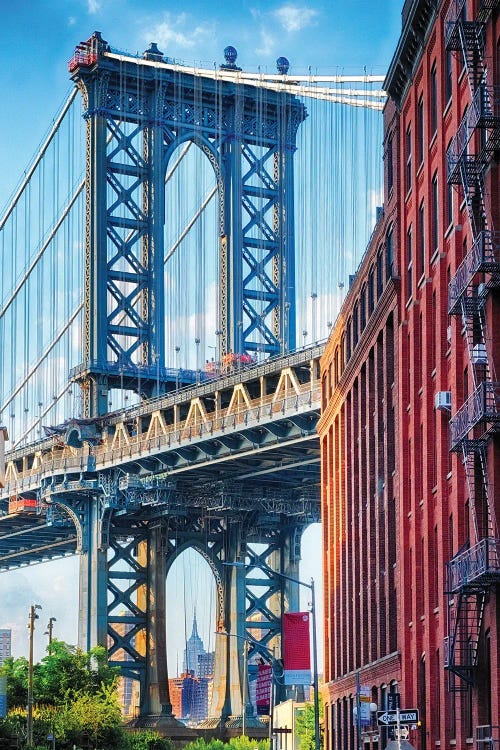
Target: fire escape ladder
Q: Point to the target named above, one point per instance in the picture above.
(490, 524)
(486, 7)
(472, 34)
(465, 611)
(470, 170)
(473, 330)
(469, 463)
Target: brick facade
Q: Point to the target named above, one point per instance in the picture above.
(398, 508)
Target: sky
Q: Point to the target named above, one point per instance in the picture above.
(37, 38)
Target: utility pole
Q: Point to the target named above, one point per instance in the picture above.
(50, 628)
(29, 721)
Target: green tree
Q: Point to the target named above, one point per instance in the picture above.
(304, 726)
(147, 739)
(67, 671)
(16, 672)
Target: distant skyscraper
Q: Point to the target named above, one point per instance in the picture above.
(5, 644)
(194, 649)
(206, 664)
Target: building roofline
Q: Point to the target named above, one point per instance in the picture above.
(418, 20)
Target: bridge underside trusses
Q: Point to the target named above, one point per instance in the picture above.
(230, 469)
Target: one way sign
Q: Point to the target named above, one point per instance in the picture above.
(390, 718)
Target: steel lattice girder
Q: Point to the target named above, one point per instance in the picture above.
(136, 117)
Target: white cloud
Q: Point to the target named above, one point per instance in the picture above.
(177, 31)
(295, 18)
(267, 44)
(93, 6)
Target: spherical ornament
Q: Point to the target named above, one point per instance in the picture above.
(230, 54)
(283, 65)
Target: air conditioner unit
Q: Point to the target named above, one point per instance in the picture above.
(479, 354)
(442, 400)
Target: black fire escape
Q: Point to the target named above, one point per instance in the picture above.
(476, 567)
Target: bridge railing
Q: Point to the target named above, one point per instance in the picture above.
(260, 411)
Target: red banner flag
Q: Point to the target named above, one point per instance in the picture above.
(263, 689)
(296, 648)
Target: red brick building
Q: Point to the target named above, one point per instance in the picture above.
(411, 406)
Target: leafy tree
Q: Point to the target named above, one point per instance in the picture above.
(16, 672)
(67, 671)
(304, 726)
(147, 739)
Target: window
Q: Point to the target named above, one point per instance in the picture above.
(433, 87)
(390, 165)
(362, 309)
(449, 204)
(420, 130)
(448, 80)
(435, 214)
(348, 340)
(433, 335)
(421, 238)
(408, 159)
(355, 326)
(380, 279)
(371, 291)
(438, 695)
(409, 264)
(389, 253)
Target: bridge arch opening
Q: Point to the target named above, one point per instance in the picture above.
(191, 258)
(193, 600)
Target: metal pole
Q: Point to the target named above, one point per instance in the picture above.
(358, 711)
(29, 719)
(271, 706)
(315, 668)
(49, 631)
(245, 674)
(398, 724)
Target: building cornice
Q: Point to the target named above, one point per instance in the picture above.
(385, 305)
(418, 21)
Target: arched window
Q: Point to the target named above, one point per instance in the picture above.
(362, 309)
(371, 290)
(389, 252)
(380, 276)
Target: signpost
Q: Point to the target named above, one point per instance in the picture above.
(390, 718)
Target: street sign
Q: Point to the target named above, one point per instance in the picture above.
(390, 718)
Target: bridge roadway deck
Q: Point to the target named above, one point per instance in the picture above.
(246, 439)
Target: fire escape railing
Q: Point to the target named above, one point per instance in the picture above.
(483, 114)
(483, 406)
(483, 257)
(477, 565)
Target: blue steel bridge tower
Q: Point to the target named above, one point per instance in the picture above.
(135, 511)
(138, 111)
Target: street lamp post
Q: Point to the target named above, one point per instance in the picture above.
(29, 719)
(49, 631)
(310, 586)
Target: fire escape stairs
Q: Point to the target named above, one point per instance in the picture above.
(466, 617)
(475, 568)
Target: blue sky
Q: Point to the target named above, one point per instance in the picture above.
(37, 39)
